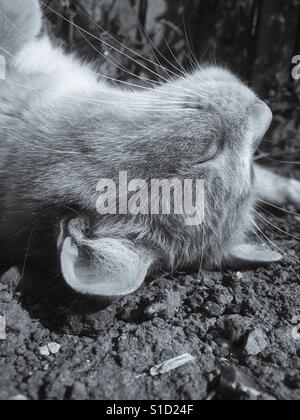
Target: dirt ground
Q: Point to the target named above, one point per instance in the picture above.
(240, 327)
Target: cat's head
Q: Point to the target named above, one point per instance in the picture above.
(203, 126)
(206, 126)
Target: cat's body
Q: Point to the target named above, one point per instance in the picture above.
(62, 130)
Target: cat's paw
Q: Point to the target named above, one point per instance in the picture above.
(294, 193)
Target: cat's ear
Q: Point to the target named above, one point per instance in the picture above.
(104, 267)
(245, 255)
(260, 119)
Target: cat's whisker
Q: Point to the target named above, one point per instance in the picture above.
(279, 208)
(166, 106)
(99, 89)
(276, 227)
(117, 50)
(69, 22)
(183, 70)
(154, 48)
(176, 94)
(27, 252)
(260, 239)
(6, 52)
(129, 84)
(90, 71)
(144, 88)
(254, 230)
(105, 43)
(287, 256)
(264, 156)
(118, 65)
(122, 82)
(123, 45)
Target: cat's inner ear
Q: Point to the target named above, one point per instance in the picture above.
(250, 254)
(107, 267)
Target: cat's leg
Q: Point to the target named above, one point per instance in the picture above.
(28, 55)
(276, 189)
(20, 23)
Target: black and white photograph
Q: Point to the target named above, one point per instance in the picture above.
(149, 203)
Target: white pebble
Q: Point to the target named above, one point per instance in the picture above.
(54, 348)
(44, 351)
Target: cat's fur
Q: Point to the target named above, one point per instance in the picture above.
(62, 130)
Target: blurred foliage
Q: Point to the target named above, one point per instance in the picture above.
(131, 39)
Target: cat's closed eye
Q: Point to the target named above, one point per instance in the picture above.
(208, 153)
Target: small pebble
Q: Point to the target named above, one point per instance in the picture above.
(51, 348)
(213, 309)
(44, 351)
(54, 348)
(256, 343)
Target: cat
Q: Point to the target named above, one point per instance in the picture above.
(62, 130)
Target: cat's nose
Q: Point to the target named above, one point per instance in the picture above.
(261, 118)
